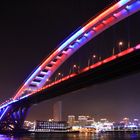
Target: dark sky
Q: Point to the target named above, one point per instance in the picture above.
(30, 30)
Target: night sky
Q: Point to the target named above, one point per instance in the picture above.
(30, 30)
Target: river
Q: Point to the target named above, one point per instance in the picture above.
(74, 136)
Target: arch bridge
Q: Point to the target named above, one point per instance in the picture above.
(13, 111)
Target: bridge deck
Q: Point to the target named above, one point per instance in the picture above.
(122, 66)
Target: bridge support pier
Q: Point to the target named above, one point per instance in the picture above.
(14, 118)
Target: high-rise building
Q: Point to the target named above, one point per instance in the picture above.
(136, 122)
(57, 111)
(71, 120)
(126, 121)
(82, 120)
(90, 121)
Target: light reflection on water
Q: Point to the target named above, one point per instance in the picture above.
(74, 136)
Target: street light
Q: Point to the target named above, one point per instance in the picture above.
(128, 44)
(88, 62)
(70, 71)
(100, 58)
(120, 45)
(91, 59)
(58, 76)
(94, 58)
(47, 80)
(76, 68)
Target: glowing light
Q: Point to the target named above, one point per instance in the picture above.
(3, 113)
(33, 75)
(74, 66)
(123, 2)
(105, 13)
(125, 52)
(137, 47)
(72, 38)
(120, 43)
(96, 65)
(109, 59)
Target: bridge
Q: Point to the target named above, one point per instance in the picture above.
(37, 87)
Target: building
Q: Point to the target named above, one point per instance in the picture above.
(126, 121)
(136, 122)
(71, 120)
(90, 121)
(82, 120)
(57, 111)
(51, 126)
(103, 120)
(28, 125)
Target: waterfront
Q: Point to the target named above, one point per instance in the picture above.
(94, 104)
(75, 136)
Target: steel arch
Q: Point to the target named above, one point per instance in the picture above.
(106, 19)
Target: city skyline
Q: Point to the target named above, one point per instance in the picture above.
(29, 32)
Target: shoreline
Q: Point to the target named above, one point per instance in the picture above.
(35, 132)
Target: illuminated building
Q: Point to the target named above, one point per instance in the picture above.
(28, 125)
(71, 120)
(82, 120)
(51, 126)
(104, 120)
(90, 121)
(136, 122)
(126, 121)
(57, 111)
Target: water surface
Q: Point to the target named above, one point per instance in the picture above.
(74, 136)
